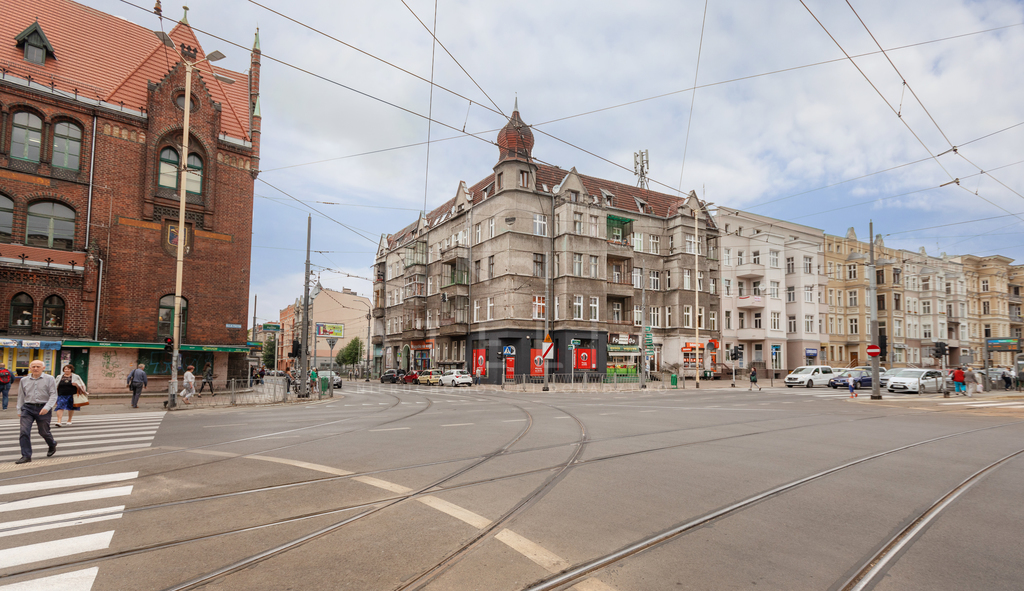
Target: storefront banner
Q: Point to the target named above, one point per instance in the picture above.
(8, 343)
(623, 339)
(623, 350)
(510, 368)
(422, 345)
(537, 362)
(585, 359)
(23, 344)
(480, 361)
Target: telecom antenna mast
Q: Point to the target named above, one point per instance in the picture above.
(641, 164)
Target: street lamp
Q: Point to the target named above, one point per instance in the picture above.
(187, 53)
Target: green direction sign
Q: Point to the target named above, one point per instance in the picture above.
(575, 342)
(271, 327)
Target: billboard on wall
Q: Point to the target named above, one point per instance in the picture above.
(326, 329)
(480, 361)
(536, 362)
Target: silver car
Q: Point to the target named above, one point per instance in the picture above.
(917, 381)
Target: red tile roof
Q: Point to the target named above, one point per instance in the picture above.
(107, 58)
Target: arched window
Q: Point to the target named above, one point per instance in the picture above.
(169, 168)
(6, 218)
(21, 311)
(165, 317)
(53, 312)
(194, 177)
(26, 136)
(50, 225)
(67, 145)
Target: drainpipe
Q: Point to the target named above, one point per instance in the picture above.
(99, 294)
(92, 165)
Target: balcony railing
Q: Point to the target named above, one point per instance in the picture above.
(457, 317)
(415, 290)
(455, 278)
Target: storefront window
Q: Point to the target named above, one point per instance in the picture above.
(165, 317)
(53, 312)
(21, 310)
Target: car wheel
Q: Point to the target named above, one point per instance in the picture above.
(809, 384)
(789, 385)
(834, 386)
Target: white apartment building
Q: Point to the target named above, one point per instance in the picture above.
(772, 290)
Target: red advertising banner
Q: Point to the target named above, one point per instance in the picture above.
(585, 359)
(510, 368)
(536, 362)
(480, 361)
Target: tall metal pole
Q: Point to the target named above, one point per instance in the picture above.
(549, 299)
(182, 235)
(330, 381)
(876, 391)
(303, 357)
(696, 299)
(643, 331)
(368, 320)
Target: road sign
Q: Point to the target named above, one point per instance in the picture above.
(547, 338)
(713, 344)
(548, 350)
(271, 327)
(575, 342)
(332, 342)
(1010, 345)
(874, 350)
(509, 351)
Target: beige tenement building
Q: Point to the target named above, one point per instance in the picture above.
(478, 275)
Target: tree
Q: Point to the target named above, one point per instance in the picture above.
(352, 352)
(268, 351)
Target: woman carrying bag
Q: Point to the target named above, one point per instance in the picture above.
(71, 394)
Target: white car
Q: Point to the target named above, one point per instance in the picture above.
(456, 377)
(809, 375)
(916, 381)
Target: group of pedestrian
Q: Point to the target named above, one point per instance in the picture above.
(965, 380)
(1009, 377)
(39, 394)
(256, 375)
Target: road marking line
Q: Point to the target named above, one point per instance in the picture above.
(397, 488)
(228, 425)
(477, 521)
(563, 417)
(55, 549)
(63, 445)
(66, 482)
(648, 411)
(301, 464)
(458, 424)
(60, 499)
(604, 414)
(24, 526)
(510, 420)
(538, 554)
(391, 429)
(65, 436)
(211, 452)
(79, 580)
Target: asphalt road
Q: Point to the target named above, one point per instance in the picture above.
(393, 487)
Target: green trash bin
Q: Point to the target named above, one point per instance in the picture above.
(708, 375)
(675, 381)
(325, 385)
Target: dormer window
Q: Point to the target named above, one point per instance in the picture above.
(574, 196)
(35, 44)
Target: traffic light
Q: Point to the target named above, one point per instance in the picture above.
(940, 349)
(501, 355)
(169, 345)
(296, 348)
(735, 353)
(883, 346)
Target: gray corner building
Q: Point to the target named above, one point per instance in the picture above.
(532, 242)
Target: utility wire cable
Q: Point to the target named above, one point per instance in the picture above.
(430, 112)
(346, 226)
(693, 96)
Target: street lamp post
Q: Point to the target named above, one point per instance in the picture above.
(187, 53)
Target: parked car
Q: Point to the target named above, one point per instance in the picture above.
(456, 377)
(411, 377)
(808, 375)
(389, 376)
(430, 377)
(917, 381)
(335, 377)
(859, 377)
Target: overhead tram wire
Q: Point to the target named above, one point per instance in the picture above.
(430, 113)
(343, 225)
(693, 96)
(895, 112)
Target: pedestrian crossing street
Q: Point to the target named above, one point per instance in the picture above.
(88, 434)
(23, 512)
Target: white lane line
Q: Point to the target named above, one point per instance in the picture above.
(228, 425)
(391, 429)
(377, 482)
(62, 445)
(541, 556)
(65, 498)
(605, 414)
(66, 482)
(79, 580)
(301, 464)
(648, 411)
(563, 417)
(477, 521)
(994, 404)
(63, 436)
(458, 424)
(76, 428)
(55, 549)
(91, 450)
(24, 526)
(511, 420)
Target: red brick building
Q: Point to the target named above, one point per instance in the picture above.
(90, 160)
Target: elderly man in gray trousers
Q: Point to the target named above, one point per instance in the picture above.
(36, 398)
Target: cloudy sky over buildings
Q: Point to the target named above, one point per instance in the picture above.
(782, 122)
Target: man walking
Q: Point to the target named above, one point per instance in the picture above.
(137, 380)
(970, 379)
(1007, 379)
(6, 377)
(36, 398)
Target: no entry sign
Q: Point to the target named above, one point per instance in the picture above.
(873, 350)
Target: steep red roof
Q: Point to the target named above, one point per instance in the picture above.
(104, 57)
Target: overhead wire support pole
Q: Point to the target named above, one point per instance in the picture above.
(303, 355)
(696, 300)
(876, 392)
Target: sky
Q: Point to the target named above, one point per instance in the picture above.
(789, 109)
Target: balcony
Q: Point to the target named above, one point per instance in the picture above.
(754, 302)
(416, 289)
(456, 324)
(622, 287)
(749, 271)
(750, 334)
(378, 312)
(377, 339)
(414, 334)
(454, 252)
(1016, 319)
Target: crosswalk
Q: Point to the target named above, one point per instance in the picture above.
(27, 514)
(88, 434)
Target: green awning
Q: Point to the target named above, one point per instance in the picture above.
(70, 343)
(215, 348)
(616, 218)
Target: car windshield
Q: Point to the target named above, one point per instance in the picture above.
(892, 372)
(801, 370)
(910, 373)
(847, 374)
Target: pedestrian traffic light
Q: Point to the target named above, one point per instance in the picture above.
(169, 345)
(883, 346)
(501, 355)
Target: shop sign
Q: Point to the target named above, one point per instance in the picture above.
(422, 345)
(623, 339)
(23, 344)
(811, 352)
(624, 349)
